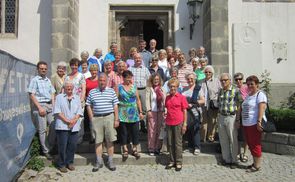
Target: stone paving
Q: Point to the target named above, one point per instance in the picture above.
(274, 168)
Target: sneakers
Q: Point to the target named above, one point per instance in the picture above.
(196, 152)
(111, 165)
(97, 167)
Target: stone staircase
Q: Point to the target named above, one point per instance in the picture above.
(85, 154)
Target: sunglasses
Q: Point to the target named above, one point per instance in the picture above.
(237, 79)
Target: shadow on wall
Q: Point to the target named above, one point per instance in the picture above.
(182, 33)
(45, 11)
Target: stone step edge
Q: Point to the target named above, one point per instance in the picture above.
(146, 159)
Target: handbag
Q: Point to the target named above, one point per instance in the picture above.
(268, 125)
(212, 104)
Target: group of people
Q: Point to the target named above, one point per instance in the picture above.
(162, 92)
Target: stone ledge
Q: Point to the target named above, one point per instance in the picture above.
(278, 143)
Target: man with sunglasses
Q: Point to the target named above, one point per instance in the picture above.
(229, 100)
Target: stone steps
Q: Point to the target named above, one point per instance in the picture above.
(188, 158)
(85, 147)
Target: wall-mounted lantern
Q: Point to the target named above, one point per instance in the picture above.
(194, 10)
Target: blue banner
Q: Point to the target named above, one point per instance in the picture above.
(16, 127)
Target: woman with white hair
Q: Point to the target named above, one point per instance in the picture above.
(192, 94)
(210, 89)
(96, 59)
(58, 78)
(163, 63)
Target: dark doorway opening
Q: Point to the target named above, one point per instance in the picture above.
(151, 31)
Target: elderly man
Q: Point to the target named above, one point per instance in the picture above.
(67, 111)
(102, 108)
(41, 94)
(152, 49)
(140, 75)
(229, 100)
(183, 69)
(146, 55)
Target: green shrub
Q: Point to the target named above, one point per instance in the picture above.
(284, 119)
(35, 162)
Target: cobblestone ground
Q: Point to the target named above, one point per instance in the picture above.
(274, 168)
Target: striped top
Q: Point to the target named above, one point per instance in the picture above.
(182, 71)
(229, 100)
(102, 101)
(42, 88)
(140, 74)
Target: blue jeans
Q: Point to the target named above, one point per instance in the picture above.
(193, 131)
(66, 142)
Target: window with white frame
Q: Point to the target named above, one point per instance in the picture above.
(8, 18)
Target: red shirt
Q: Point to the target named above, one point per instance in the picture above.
(90, 84)
(175, 105)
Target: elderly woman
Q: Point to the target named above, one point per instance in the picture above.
(176, 124)
(77, 79)
(85, 72)
(173, 72)
(118, 58)
(192, 53)
(91, 83)
(192, 94)
(84, 57)
(253, 111)
(132, 52)
(58, 78)
(210, 89)
(155, 68)
(97, 58)
(243, 88)
(155, 97)
(169, 51)
(200, 71)
(195, 64)
(108, 70)
(163, 63)
(130, 113)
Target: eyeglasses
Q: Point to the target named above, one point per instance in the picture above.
(223, 80)
(237, 79)
(250, 84)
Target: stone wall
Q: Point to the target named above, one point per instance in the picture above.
(215, 33)
(279, 143)
(65, 31)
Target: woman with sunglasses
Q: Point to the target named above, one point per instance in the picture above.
(238, 78)
(209, 90)
(253, 111)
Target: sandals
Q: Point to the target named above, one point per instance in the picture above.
(243, 158)
(170, 166)
(124, 155)
(252, 169)
(178, 167)
(135, 154)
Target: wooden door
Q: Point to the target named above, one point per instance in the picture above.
(130, 36)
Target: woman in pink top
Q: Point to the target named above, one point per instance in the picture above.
(239, 77)
(176, 124)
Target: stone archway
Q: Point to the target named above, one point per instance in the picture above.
(133, 17)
